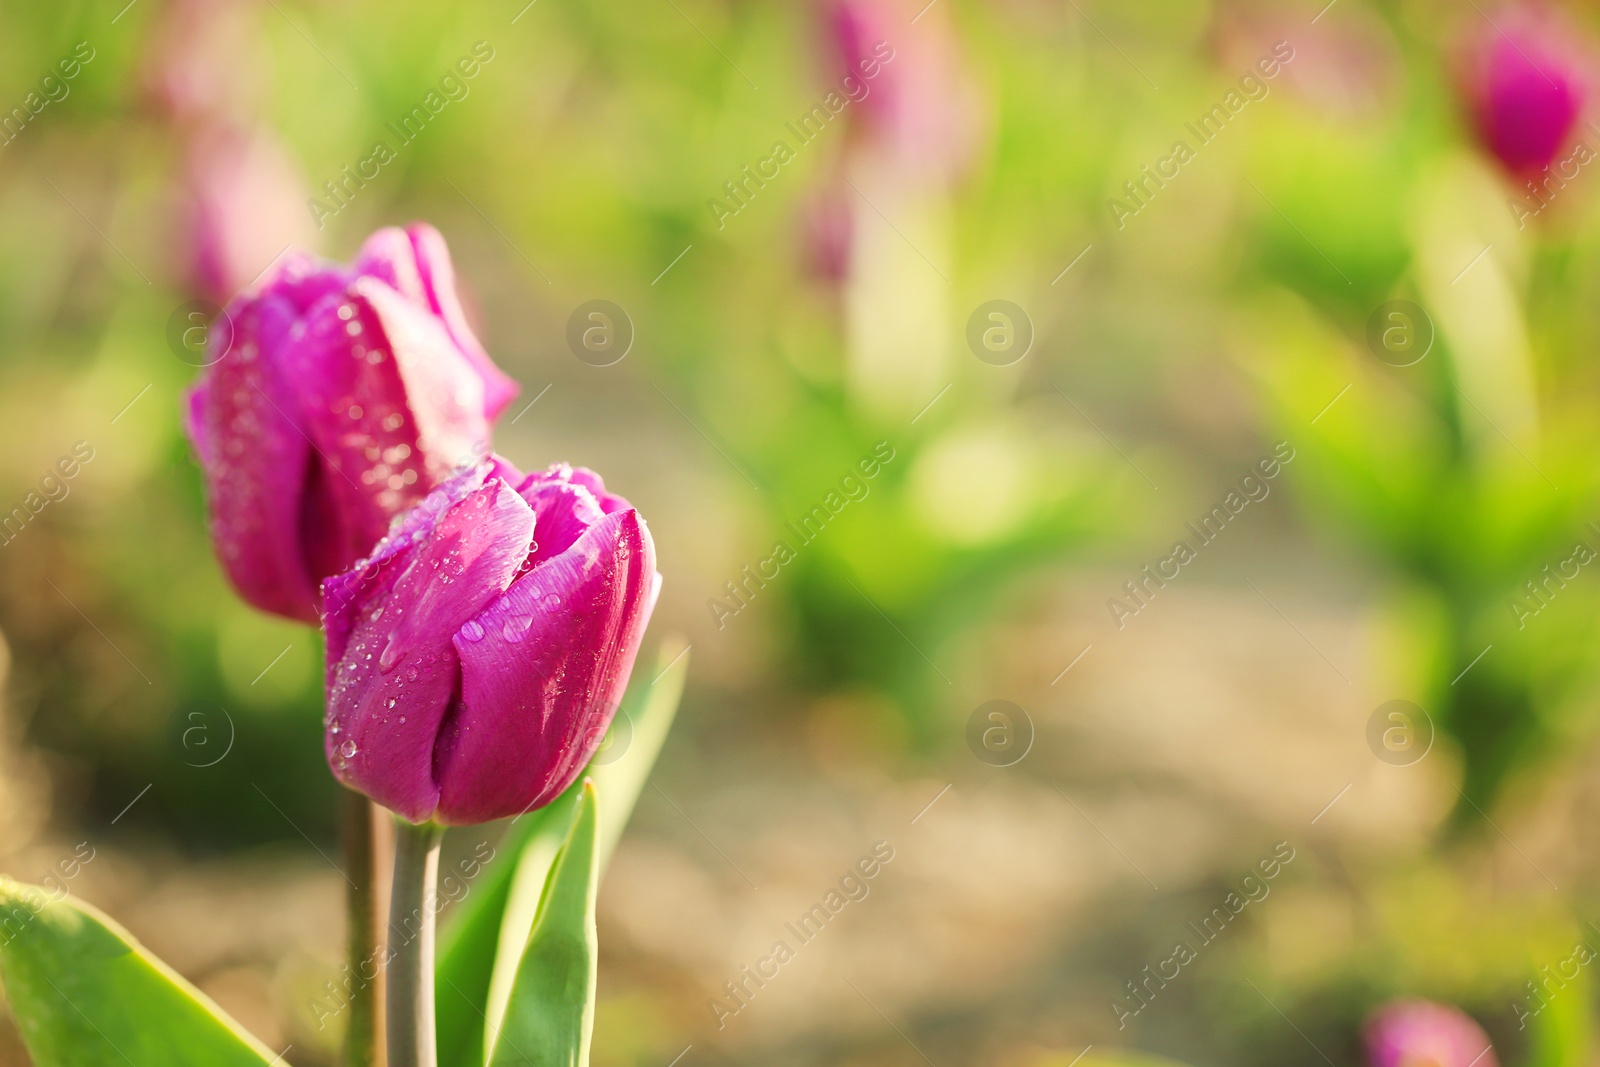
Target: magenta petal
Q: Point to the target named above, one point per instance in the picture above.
(563, 473)
(388, 256)
(382, 446)
(564, 511)
(396, 679)
(444, 391)
(542, 672)
(439, 282)
(247, 426)
(344, 594)
(304, 280)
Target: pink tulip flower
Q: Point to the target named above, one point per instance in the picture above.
(1525, 89)
(476, 658)
(1421, 1033)
(336, 397)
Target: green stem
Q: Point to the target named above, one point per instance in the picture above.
(368, 847)
(411, 926)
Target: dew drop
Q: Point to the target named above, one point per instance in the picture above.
(516, 628)
(389, 656)
(472, 630)
(348, 750)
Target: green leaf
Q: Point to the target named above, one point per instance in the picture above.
(550, 1016)
(500, 908)
(86, 994)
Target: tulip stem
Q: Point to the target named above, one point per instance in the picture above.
(368, 850)
(412, 907)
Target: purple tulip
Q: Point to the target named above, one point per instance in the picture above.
(476, 658)
(335, 399)
(1526, 90)
(1421, 1033)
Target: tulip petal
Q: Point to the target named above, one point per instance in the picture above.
(564, 512)
(256, 490)
(344, 594)
(444, 390)
(609, 503)
(388, 256)
(305, 280)
(439, 281)
(415, 262)
(542, 672)
(399, 673)
(360, 372)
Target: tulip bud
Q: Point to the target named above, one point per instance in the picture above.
(476, 658)
(336, 398)
(1413, 1033)
(1525, 90)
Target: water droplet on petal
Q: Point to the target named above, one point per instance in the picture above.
(390, 656)
(472, 630)
(516, 628)
(348, 750)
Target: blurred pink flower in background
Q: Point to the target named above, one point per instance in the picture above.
(206, 61)
(913, 122)
(1350, 68)
(245, 201)
(1421, 1033)
(828, 228)
(241, 197)
(1524, 84)
(921, 105)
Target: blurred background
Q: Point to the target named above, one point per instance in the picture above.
(1134, 465)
